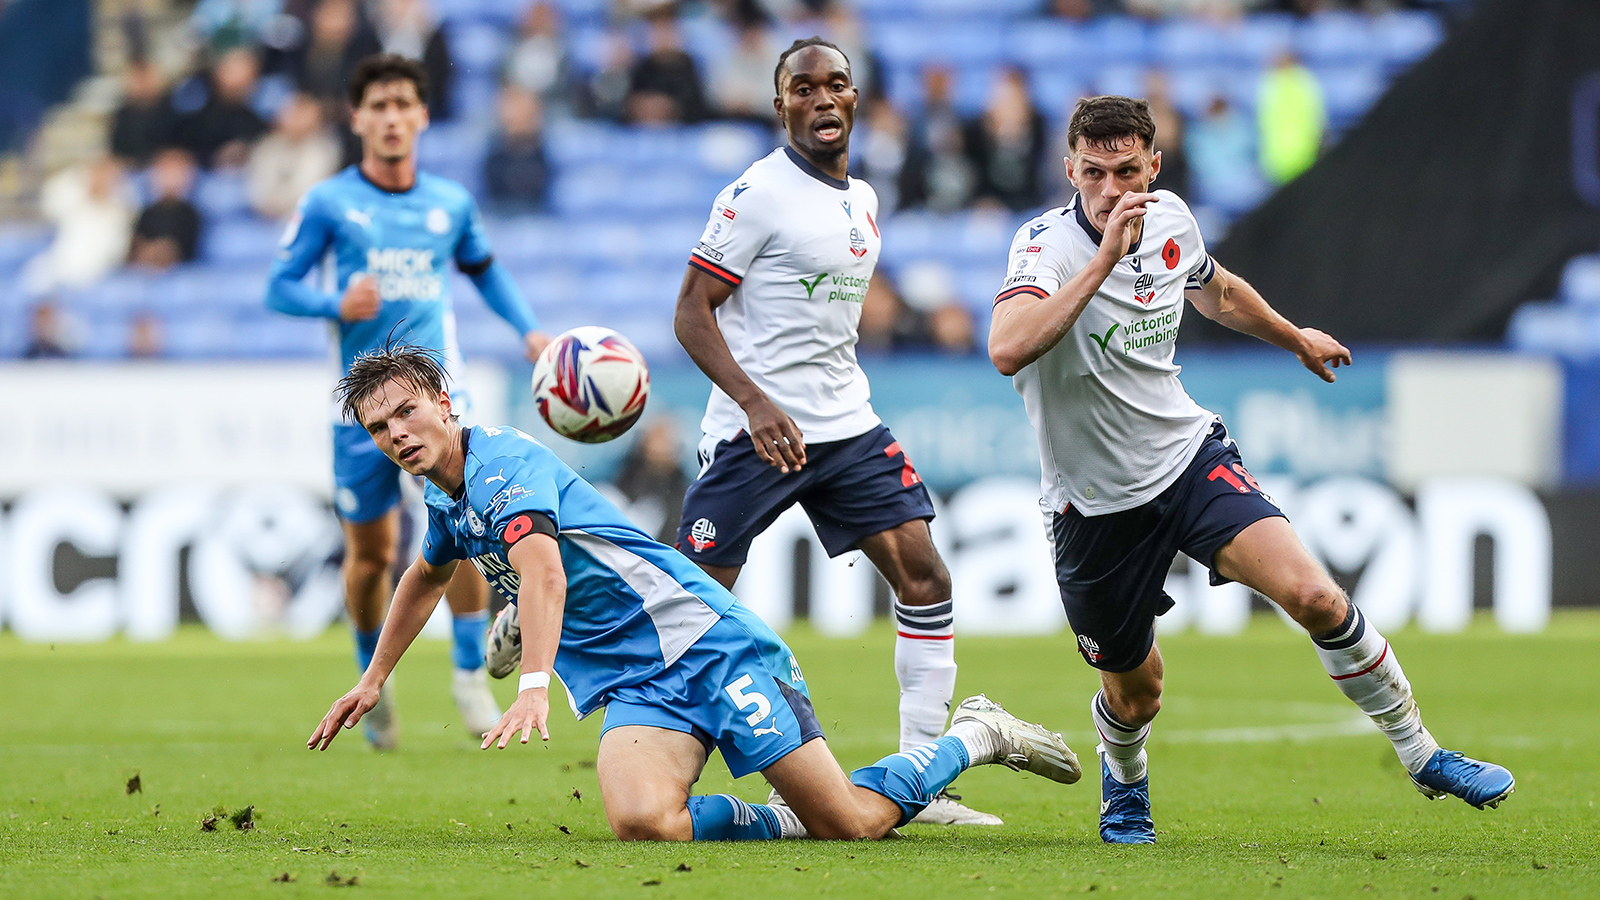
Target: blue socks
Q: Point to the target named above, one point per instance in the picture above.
(721, 817)
(366, 646)
(471, 632)
(912, 778)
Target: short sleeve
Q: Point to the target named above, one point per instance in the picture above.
(473, 247)
(735, 234)
(510, 486)
(1033, 267)
(439, 546)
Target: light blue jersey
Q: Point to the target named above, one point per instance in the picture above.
(404, 239)
(634, 605)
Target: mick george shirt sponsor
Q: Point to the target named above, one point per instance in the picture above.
(1146, 331)
(843, 288)
(405, 273)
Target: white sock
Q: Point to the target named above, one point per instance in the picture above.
(1365, 668)
(788, 823)
(979, 739)
(925, 664)
(1121, 746)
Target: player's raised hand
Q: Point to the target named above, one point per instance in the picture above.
(346, 712)
(533, 344)
(529, 712)
(1119, 227)
(776, 438)
(361, 301)
(1320, 351)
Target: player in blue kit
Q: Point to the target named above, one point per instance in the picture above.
(386, 234)
(678, 665)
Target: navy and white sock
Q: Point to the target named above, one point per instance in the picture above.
(1121, 745)
(925, 664)
(1364, 667)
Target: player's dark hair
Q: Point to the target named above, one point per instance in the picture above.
(1105, 121)
(796, 47)
(416, 366)
(381, 68)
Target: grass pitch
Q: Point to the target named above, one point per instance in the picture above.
(1265, 782)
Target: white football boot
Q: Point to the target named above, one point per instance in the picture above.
(946, 809)
(380, 724)
(1024, 746)
(503, 655)
(473, 697)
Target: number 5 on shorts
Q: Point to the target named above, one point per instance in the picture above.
(743, 699)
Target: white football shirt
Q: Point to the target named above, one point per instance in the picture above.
(1115, 426)
(799, 247)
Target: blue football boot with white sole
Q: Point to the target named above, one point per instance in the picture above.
(1124, 809)
(1481, 784)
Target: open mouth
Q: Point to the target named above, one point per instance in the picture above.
(410, 454)
(828, 128)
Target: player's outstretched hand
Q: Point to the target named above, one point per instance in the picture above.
(533, 344)
(1119, 227)
(361, 301)
(529, 712)
(346, 712)
(777, 439)
(1320, 352)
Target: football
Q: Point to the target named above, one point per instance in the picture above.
(591, 384)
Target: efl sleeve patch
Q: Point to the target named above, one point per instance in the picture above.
(524, 524)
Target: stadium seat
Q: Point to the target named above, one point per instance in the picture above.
(1405, 36)
(241, 241)
(221, 195)
(1349, 91)
(1258, 39)
(1052, 44)
(1184, 42)
(1120, 41)
(20, 242)
(1336, 37)
(1580, 281)
(1569, 331)
(478, 48)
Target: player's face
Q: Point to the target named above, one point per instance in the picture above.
(389, 119)
(1103, 175)
(818, 103)
(410, 427)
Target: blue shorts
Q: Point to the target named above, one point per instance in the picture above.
(738, 689)
(366, 482)
(851, 489)
(1112, 568)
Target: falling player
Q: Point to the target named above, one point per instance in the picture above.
(679, 666)
(1134, 470)
(769, 310)
(391, 231)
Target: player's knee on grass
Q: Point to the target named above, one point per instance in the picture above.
(645, 821)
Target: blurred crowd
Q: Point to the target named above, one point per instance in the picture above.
(263, 96)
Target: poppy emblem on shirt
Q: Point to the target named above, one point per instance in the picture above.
(518, 528)
(1170, 254)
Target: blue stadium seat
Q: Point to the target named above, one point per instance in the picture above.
(1053, 44)
(221, 195)
(104, 335)
(240, 241)
(1405, 36)
(1259, 39)
(1336, 37)
(1580, 281)
(19, 242)
(1057, 90)
(1185, 42)
(478, 48)
(952, 42)
(1349, 91)
(1120, 41)
(1570, 331)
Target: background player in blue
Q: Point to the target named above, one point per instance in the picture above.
(678, 665)
(770, 310)
(391, 232)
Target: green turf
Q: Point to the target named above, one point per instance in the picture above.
(1245, 806)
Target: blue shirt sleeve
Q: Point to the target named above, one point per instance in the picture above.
(508, 487)
(493, 281)
(439, 546)
(305, 241)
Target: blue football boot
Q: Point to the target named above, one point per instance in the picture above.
(1479, 783)
(1124, 809)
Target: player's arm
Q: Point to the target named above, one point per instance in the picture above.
(1026, 325)
(1230, 300)
(541, 603)
(305, 239)
(414, 601)
(776, 437)
(495, 285)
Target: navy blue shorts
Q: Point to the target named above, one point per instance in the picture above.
(1112, 568)
(851, 489)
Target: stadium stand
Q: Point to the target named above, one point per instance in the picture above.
(627, 202)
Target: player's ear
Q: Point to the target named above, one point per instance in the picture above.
(1155, 165)
(444, 403)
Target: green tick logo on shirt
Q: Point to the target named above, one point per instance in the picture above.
(1103, 341)
(811, 285)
